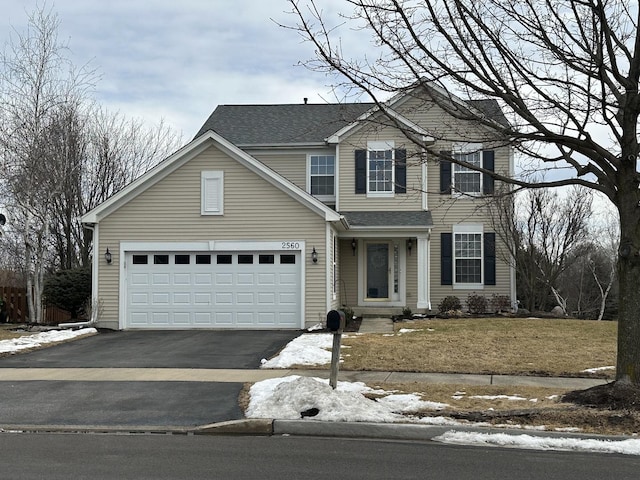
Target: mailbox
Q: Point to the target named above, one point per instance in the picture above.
(335, 320)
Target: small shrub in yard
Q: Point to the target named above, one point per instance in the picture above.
(500, 303)
(477, 303)
(406, 312)
(450, 303)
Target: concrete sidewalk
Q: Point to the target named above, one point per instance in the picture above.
(242, 376)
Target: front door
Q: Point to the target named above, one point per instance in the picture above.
(377, 266)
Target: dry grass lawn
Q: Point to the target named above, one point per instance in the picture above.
(487, 345)
(544, 347)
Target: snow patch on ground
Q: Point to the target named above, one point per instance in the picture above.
(307, 349)
(598, 369)
(628, 447)
(25, 342)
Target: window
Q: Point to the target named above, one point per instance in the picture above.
(203, 259)
(212, 193)
(287, 259)
(139, 260)
(322, 176)
(464, 179)
(468, 257)
(161, 259)
(266, 259)
(182, 259)
(380, 171)
(245, 259)
(224, 259)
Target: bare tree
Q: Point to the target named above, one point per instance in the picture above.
(36, 82)
(543, 231)
(565, 72)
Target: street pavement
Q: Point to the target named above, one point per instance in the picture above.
(188, 382)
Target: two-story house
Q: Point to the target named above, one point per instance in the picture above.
(275, 214)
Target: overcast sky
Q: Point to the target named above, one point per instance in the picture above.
(178, 60)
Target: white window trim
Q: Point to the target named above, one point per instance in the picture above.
(464, 148)
(385, 145)
(323, 198)
(206, 177)
(468, 228)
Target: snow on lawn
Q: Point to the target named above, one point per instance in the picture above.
(628, 447)
(598, 369)
(307, 349)
(25, 342)
(289, 397)
(286, 398)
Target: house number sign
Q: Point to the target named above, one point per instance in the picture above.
(290, 245)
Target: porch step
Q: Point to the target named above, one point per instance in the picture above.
(376, 325)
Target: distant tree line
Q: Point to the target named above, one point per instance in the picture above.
(61, 155)
(564, 254)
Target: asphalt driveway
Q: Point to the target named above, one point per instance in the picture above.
(136, 403)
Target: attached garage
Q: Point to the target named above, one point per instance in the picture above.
(203, 289)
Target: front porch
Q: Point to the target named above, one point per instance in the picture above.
(384, 263)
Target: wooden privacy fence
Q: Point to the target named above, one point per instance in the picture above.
(15, 306)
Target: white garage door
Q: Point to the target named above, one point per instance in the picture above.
(213, 290)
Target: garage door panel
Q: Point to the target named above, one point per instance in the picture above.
(139, 279)
(224, 299)
(202, 299)
(245, 298)
(181, 319)
(160, 299)
(182, 298)
(140, 299)
(182, 279)
(246, 279)
(220, 293)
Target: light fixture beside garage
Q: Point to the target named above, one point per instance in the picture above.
(314, 255)
(354, 246)
(107, 256)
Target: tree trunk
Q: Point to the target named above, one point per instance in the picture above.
(628, 359)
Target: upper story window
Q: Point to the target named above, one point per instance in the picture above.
(212, 193)
(380, 168)
(465, 179)
(322, 176)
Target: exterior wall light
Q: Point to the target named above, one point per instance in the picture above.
(314, 255)
(409, 245)
(354, 246)
(107, 256)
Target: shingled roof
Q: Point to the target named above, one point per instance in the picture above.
(304, 124)
(282, 124)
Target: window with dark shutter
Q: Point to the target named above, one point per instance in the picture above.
(401, 171)
(361, 171)
(445, 173)
(490, 258)
(488, 163)
(446, 259)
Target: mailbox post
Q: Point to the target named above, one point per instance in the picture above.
(335, 323)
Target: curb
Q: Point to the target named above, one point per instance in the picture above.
(382, 431)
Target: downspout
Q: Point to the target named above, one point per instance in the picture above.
(94, 272)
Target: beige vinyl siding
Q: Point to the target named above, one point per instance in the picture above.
(448, 210)
(253, 210)
(350, 201)
(291, 165)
